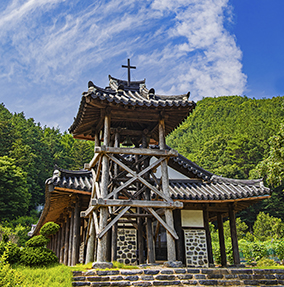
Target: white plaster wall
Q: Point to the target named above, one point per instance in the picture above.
(192, 218)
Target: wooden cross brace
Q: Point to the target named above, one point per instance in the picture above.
(138, 177)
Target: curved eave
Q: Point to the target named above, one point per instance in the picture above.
(127, 110)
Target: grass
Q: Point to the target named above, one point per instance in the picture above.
(57, 275)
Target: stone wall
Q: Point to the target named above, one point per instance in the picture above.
(126, 246)
(180, 277)
(195, 248)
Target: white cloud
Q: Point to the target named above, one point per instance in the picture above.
(178, 45)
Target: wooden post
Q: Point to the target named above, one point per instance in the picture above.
(90, 243)
(66, 241)
(114, 227)
(70, 247)
(208, 236)
(149, 224)
(234, 235)
(76, 233)
(165, 185)
(58, 235)
(221, 240)
(102, 242)
(90, 250)
(180, 248)
(62, 242)
(140, 220)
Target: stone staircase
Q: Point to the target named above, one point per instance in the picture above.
(180, 277)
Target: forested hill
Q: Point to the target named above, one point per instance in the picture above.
(230, 135)
(238, 137)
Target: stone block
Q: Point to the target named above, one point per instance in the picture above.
(120, 283)
(208, 282)
(164, 277)
(215, 276)
(115, 278)
(151, 272)
(79, 278)
(131, 272)
(166, 283)
(180, 271)
(77, 273)
(100, 284)
(166, 271)
(131, 278)
(81, 283)
(189, 282)
(98, 278)
(147, 277)
(199, 276)
(193, 271)
(184, 276)
(141, 283)
(173, 264)
(107, 272)
(102, 265)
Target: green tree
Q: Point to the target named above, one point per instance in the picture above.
(13, 190)
(267, 227)
(273, 166)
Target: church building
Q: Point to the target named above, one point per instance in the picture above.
(139, 201)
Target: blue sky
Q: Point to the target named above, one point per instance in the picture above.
(50, 49)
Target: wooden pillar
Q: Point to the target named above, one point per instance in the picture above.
(102, 242)
(180, 248)
(62, 242)
(208, 235)
(70, 247)
(165, 185)
(221, 240)
(58, 245)
(66, 241)
(114, 227)
(76, 233)
(90, 250)
(234, 236)
(90, 243)
(149, 224)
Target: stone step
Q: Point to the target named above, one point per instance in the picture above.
(180, 277)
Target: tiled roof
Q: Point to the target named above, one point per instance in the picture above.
(136, 99)
(213, 188)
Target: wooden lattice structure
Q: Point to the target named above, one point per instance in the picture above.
(127, 183)
(124, 181)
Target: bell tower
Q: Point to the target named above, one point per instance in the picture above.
(128, 124)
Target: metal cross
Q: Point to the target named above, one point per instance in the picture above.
(128, 67)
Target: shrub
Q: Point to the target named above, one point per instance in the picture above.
(11, 250)
(259, 250)
(38, 256)
(279, 249)
(8, 276)
(49, 228)
(37, 241)
(264, 262)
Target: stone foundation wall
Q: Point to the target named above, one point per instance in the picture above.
(180, 277)
(126, 246)
(195, 248)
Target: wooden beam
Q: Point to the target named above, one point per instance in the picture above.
(166, 226)
(136, 203)
(87, 212)
(103, 232)
(135, 151)
(140, 178)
